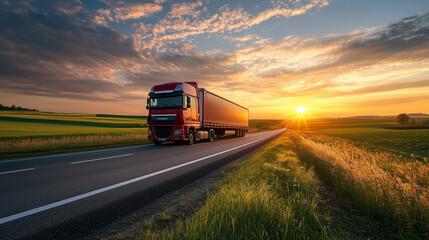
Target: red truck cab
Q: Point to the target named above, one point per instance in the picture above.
(176, 113)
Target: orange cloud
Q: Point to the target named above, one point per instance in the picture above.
(125, 11)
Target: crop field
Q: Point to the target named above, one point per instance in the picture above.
(25, 134)
(258, 125)
(28, 133)
(378, 133)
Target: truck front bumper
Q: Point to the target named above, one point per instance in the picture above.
(166, 133)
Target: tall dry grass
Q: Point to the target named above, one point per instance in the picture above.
(268, 196)
(381, 184)
(45, 144)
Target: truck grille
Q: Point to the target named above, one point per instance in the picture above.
(163, 119)
(163, 132)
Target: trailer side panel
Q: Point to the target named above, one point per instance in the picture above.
(218, 112)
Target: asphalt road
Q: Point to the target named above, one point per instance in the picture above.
(71, 195)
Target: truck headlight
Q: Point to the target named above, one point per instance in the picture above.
(150, 132)
(178, 132)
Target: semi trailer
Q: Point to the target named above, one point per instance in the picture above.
(182, 112)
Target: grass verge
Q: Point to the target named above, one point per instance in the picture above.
(388, 188)
(26, 147)
(269, 196)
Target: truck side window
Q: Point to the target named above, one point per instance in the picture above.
(154, 102)
(194, 106)
(192, 110)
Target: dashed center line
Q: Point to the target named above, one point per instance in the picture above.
(15, 171)
(98, 159)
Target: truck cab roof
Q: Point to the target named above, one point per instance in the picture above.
(175, 88)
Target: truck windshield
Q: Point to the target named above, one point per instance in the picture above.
(166, 102)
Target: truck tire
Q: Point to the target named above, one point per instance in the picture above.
(237, 133)
(156, 142)
(211, 135)
(191, 138)
(244, 133)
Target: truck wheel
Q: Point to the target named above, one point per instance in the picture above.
(211, 135)
(191, 138)
(244, 132)
(237, 133)
(156, 142)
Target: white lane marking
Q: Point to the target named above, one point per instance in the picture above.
(101, 190)
(21, 170)
(98, 159)
(55, 156)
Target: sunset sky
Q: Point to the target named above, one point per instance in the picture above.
(337, 58)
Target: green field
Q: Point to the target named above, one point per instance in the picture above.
(374, 133)
(258, 125)
(24, 134)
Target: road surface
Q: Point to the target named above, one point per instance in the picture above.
(74, 194)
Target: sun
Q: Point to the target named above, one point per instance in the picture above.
(301, 109)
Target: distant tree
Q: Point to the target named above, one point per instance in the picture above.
(15, 108)
(402, 119)
(413, 122)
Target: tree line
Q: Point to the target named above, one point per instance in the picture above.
(15, 108)
(404, 119)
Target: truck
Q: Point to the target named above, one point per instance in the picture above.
(182, 112)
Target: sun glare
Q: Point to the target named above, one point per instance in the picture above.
(301, 109)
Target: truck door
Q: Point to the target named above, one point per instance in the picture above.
(194, 109)
(187, 114)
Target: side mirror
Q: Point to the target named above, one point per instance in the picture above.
(147, 103)
(188, 101)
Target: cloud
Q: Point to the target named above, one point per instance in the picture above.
(314, 65)
(120, 11)
(245, 38)
(184, 9)
(136, 11)
(67, 7)
(185, 20)
(50, 55)
(387, 87)
(160, 1)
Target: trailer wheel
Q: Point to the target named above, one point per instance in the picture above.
(156, 142)
(244, 132)
(191, 138)
(211, 135)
